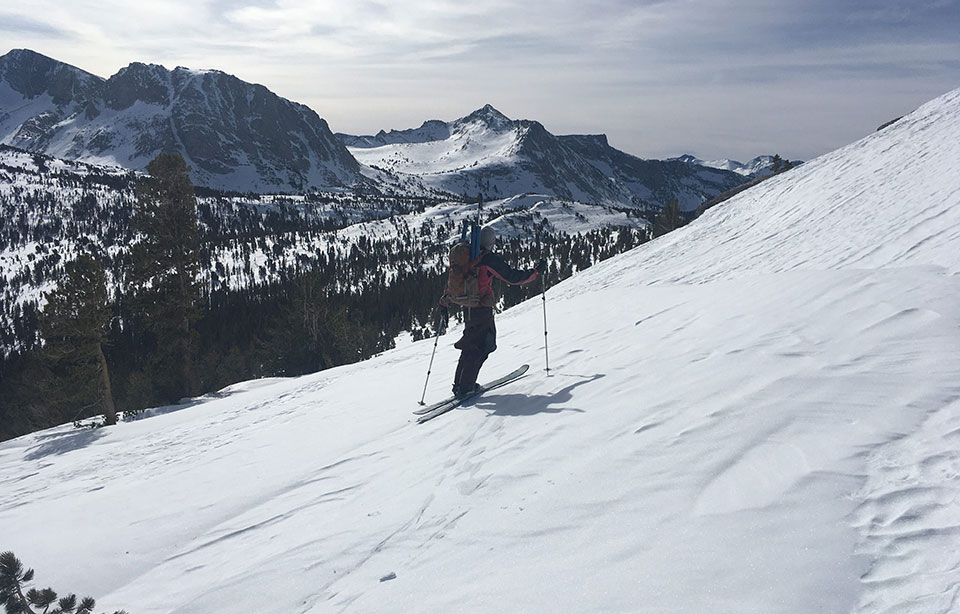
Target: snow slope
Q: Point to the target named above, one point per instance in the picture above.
(759, 412)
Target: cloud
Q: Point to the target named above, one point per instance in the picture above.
(20, 24)
(720, 75)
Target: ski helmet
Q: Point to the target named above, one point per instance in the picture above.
(487, 237)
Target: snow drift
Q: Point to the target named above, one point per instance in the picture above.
(759, 412)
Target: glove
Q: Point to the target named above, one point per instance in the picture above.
(541, 267)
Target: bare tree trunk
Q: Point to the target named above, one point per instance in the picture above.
(109, 409)
(189, 372)
(189, 383)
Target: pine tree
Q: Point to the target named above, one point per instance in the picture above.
(166, 266)
(669, 218)
(74, 325)
(15, 600)
(780, 165)
(310, 333)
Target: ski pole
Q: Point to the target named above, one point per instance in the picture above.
(440, 329)
(546, 353)
(436, 339)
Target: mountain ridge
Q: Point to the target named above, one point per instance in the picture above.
(241, 137)
(235, 135)
(760, 166)
(524, 157)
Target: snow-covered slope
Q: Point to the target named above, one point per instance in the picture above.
(759, 412)
(486, 152)
(234, 135)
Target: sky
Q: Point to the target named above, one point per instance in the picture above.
(714, 78)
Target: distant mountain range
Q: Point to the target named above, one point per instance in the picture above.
(233, 134)
(486, 152)
(240, 136)
(757, 167)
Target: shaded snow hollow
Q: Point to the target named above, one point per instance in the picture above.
(759, 412)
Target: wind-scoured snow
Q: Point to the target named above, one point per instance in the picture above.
(759, 412)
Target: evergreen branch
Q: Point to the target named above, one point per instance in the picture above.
(12, 597)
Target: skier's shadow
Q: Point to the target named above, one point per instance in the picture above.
(528, 405)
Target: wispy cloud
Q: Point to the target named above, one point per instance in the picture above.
(21, 24)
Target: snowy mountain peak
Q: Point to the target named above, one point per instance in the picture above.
(486, 151)
(147, 83)
(27, 61)
(761, 165)
(18, 55)
(234, 135)
(434, 130)
(688, 159)
(488, 115)
(430, 130)
(31, 75)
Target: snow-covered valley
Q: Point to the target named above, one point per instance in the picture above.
(759, 412)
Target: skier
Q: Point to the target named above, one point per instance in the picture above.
(480, 334)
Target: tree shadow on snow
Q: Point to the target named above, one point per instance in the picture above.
(528, 405)
(55, 444)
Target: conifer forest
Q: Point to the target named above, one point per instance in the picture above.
(132, 290)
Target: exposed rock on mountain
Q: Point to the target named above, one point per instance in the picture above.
(234, 135)
(653, 181)
(757, 167)
(486, 152)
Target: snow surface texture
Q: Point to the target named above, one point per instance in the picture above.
(759, 412)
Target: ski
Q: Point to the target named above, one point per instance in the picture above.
(432, 411)
(497, 382)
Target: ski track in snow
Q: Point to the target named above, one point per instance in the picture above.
(759, 412)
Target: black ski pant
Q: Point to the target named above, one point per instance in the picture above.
(478, 341)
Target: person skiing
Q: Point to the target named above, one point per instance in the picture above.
(480, 333)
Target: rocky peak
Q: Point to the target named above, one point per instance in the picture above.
(488, 116)
(597, 144)
(144, 82)
(234, 135)
(535, 136)
(32, 74)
